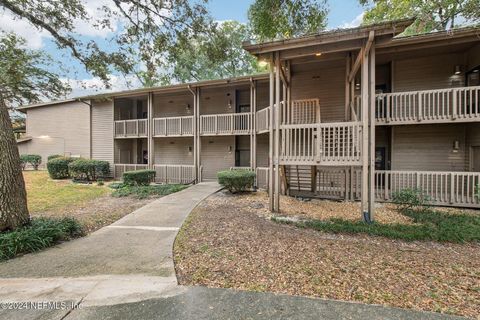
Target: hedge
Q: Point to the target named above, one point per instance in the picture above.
(58, 167)
(236, 180)
(88, 170)
(33, 159)
(139, 177)
(54, 156)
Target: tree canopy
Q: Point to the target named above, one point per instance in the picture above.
(24, 76)
(431, 15)
(273, 19)
(213, 55)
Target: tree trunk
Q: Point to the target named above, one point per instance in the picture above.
(13, 196)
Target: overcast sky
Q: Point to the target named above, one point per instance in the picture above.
(343, 13)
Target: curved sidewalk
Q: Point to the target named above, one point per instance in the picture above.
(126, 271)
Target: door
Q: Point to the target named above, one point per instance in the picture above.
(476, 159)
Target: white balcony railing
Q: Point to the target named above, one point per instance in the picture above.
(443, 188)
(321, 143)
(225, 124)
(119, 168)
(131, 128)
(172, 173)
(173, 126)
(263, 120)
(429, 106)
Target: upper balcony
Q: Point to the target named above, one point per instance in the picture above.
(226, 124)
(173, 126)
(136, 128)
(428, 106)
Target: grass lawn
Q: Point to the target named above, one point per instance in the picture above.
(231, 241)
(45, 194)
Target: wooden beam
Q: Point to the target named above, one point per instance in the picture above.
(371, 144)
(365, 148)
(347, 87)
(361, 56)
(270, 137)
(283, 76)
(276, 206)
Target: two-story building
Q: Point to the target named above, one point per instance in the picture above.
(353, 114)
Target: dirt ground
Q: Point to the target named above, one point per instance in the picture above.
(99, 212)
(229, 241)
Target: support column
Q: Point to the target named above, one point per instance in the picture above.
(199, 138)
(371, 196)
(276, 206)
(150, 143)
(270, 136)
(347, 88)
(365, 134)
(195, 135)
(253, 108)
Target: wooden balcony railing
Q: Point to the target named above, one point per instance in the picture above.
(131, 128)
(443, 188)
(262, 119)
(172, 173)
(173, 126)
(429, 106)
(322, 143)
(225, 124)
(119, 168)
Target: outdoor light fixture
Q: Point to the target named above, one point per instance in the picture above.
(458, 69)
(229, 148)
(262, 63)
(318, 54)
(475, 71)
(456, 146)
(188, 107)
(44, 137)
(357, 86)
(189, 149)
(230, 104)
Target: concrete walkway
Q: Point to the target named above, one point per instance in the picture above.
(126, 271)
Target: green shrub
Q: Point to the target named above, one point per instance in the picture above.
(88, 170)
(40, 233)
(33, 159)
(116, 185)
(53, 156)
(142, 192)
(411, 199)
(58, 167)
(236, 180)
(139, 177)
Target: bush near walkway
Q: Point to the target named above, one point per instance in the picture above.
(236, 180)
(33, 159)
(39, 234)
(88, 170)
(58, 167)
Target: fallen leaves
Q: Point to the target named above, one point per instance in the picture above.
(229, 242)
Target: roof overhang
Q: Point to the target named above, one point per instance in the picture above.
(329, 41)
(22, 140)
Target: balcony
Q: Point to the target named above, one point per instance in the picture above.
(428, 106)
(173, 126)
(263, 120)
(120, 168)
(225, 124)
(171, 173)
(131, 128)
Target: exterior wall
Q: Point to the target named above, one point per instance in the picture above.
(473, 57)
(173, 151)
(215, 155)
(130, 151)
(102, 131)
(323, 81)
(429, 147)
(262, 150)
(473, 140)
(427, 73)
(173, 105)
(58, 129)
(213, 101)
(263, 96)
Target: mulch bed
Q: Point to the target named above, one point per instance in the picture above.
(230, 242)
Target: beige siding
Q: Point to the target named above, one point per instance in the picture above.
(428, 147)
(58, 129)
(213, 101)
(216, 156)
(173, 151)
(173, 105)
(102, 131)
(262, 150)
(326, 82)
(263, 96)
(130, 150)
(473, 140)
(427, 73)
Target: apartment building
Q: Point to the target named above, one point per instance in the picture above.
(352, 114)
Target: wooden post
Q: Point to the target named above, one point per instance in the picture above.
(365, 146)
(270, 137)
(195, 135)
(276, 206)
(254, 125)
(199, 138)
(347, 89)
(313, 177)
(371, 144)
(150, 143)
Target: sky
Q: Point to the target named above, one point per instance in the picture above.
(343, 14)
